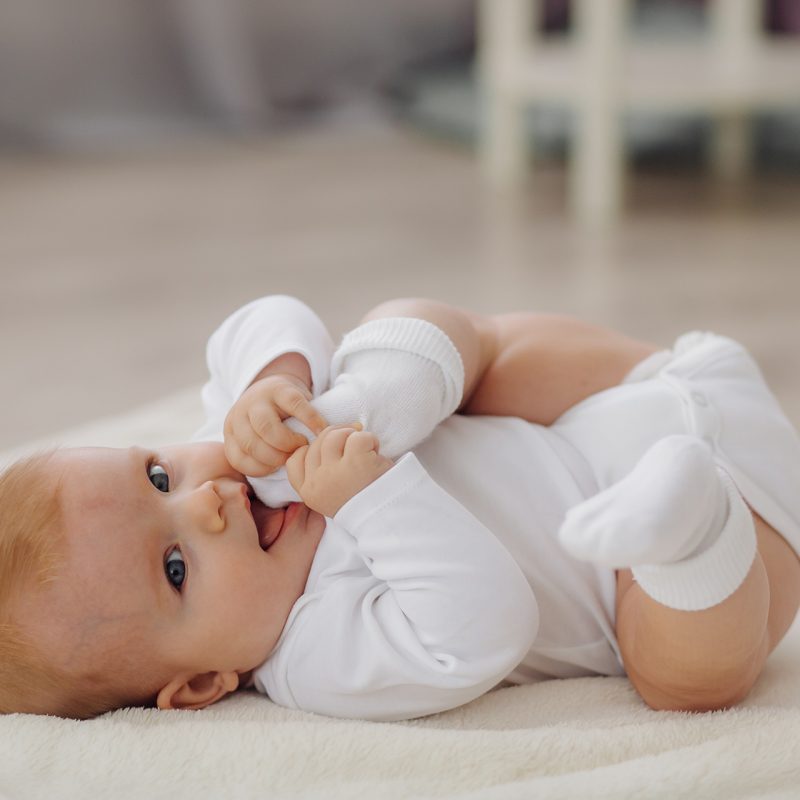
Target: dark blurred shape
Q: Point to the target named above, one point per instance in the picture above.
(781, 16)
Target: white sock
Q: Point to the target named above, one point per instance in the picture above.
(677, 519)
(399, 377)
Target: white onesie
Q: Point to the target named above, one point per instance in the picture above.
(444, 577)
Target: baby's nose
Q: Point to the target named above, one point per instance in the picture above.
(206, 507)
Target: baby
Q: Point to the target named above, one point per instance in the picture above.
(569, 534)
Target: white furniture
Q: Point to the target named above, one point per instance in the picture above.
(599, 74)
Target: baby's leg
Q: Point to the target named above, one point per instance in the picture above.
(413, 362)
(712, 588)
(400, 375)
(547, 363)
(709, 659)
(527, 365)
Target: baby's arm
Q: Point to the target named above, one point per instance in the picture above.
(272, 335)
(428, 612)
(533, 366)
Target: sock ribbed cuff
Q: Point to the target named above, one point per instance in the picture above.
(708, 578)
(410, 335)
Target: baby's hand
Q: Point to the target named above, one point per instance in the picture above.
(335, 467)
(256, 440)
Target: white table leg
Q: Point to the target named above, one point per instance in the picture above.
(732, 146)
(505, 37)
(596, 161)
(736, 32)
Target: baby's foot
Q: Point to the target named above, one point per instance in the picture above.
(672, 504)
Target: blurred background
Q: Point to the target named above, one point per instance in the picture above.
(164, 161)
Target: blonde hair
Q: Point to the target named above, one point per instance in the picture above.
(30, 544)
(31, 554)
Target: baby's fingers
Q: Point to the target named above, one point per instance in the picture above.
(332, 442)
(267, 425)
(296, 468)
(244, 463)
(246, 451)
(292, 402)
(361, 442)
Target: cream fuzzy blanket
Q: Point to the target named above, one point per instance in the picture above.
(580, 738)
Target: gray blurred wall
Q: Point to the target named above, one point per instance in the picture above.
(67, 61)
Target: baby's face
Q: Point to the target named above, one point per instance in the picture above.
(167, 554)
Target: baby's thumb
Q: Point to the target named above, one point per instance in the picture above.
(294, 425)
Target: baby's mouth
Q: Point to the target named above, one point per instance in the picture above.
(269, 522)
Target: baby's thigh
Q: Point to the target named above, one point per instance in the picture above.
(548, 363)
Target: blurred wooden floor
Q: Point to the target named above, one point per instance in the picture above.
(114, 270)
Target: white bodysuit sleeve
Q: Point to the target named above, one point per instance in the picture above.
(442, 614)
(251, 338)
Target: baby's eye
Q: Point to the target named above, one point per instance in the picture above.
(158, 477)
(175, 568)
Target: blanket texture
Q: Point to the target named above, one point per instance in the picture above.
(578, 738)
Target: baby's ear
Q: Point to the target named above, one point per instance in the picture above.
(197, 691)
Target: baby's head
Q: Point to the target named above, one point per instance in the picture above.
(131, 577)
